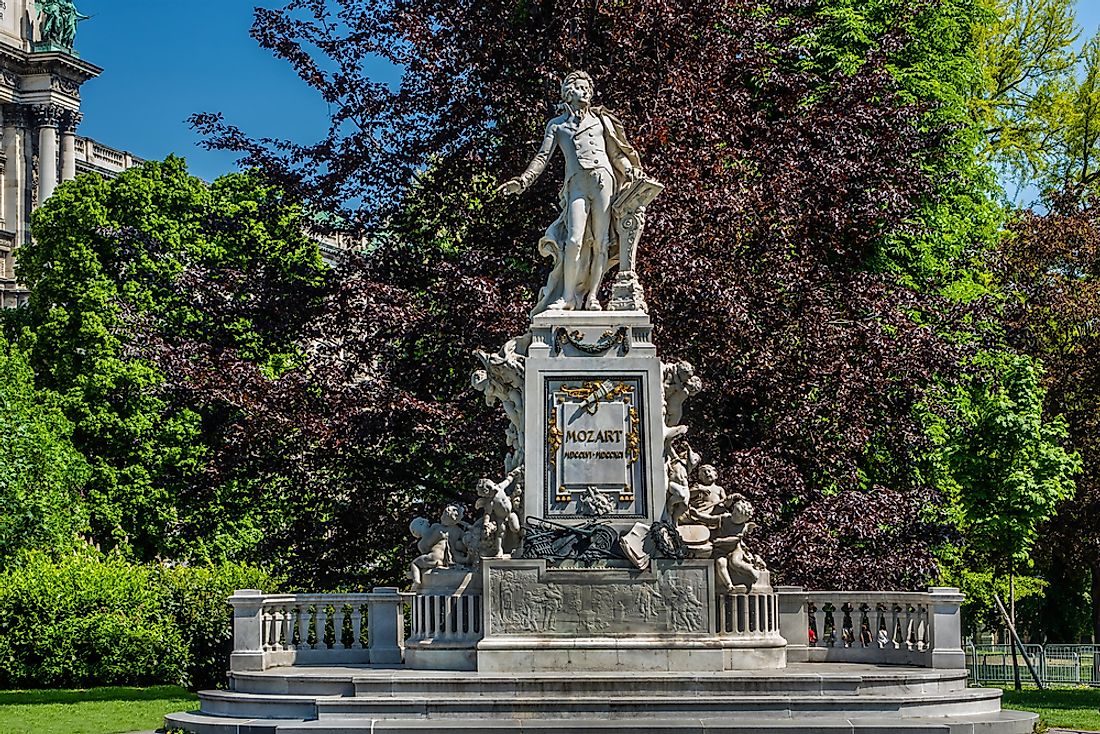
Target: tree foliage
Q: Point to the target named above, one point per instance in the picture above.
(1011, 469)
(1052, 270)
(42, 475)
(810, 151)
(110, 260)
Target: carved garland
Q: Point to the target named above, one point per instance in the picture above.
(609, 339)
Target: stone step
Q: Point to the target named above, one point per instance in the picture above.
(382, 682)
(1003, 722)
(556, 704)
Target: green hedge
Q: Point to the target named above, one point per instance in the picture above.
(88, 620)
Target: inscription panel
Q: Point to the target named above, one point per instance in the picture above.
(527, 601)
(10, 11)
(593, 435)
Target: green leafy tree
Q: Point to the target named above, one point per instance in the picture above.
(111, 257)
(1026, 59)
(1074, 122)
(1051, 268)
(1010, 466)
(42, 475)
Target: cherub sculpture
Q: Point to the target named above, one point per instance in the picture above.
(500, 526)
(678, 466)
(435, 550)
(500, 380)
(734, 565)
(441, 544)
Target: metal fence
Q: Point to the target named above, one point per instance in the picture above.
(1055, 664)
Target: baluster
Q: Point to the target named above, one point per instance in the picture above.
(742, 614)
(301, 613)
(287, 627)
(274, 621)
(266, 627)
(322, 625)
(357, 640)
(477, 615)
(828, 623)
(338, 626)
(909, 631)
(895, 627)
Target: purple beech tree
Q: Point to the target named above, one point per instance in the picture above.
(786, 176)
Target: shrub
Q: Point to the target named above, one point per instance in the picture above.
(196, 597)
(87, 619)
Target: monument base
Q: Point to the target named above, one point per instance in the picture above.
(626, 655)
(667, 618)
(805, 698)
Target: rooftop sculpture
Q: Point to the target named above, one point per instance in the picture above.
(57, 21)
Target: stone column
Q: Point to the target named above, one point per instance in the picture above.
(248, 651)
(794, 622)
(946, 611)
(15, 172)
(69, 121)
(386, 625)
(47, 117)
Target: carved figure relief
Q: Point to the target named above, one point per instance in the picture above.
(521, 603)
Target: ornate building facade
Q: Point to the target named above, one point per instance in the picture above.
(40, 82)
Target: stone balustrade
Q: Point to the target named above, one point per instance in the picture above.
(882, 627)
(272, 630)
(749, 615)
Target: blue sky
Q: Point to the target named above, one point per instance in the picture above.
(166, 59)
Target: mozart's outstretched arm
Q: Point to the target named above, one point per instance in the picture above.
(534, 168)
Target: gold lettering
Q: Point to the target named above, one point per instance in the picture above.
(608, 435)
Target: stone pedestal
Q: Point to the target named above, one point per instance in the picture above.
(593, 417)
(446, 621)
(667, 618)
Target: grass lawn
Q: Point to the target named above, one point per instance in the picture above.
(1061, 708)
(92, 711)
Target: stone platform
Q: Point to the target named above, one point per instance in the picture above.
(804, 697)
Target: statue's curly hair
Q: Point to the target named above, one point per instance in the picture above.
(573, 75)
